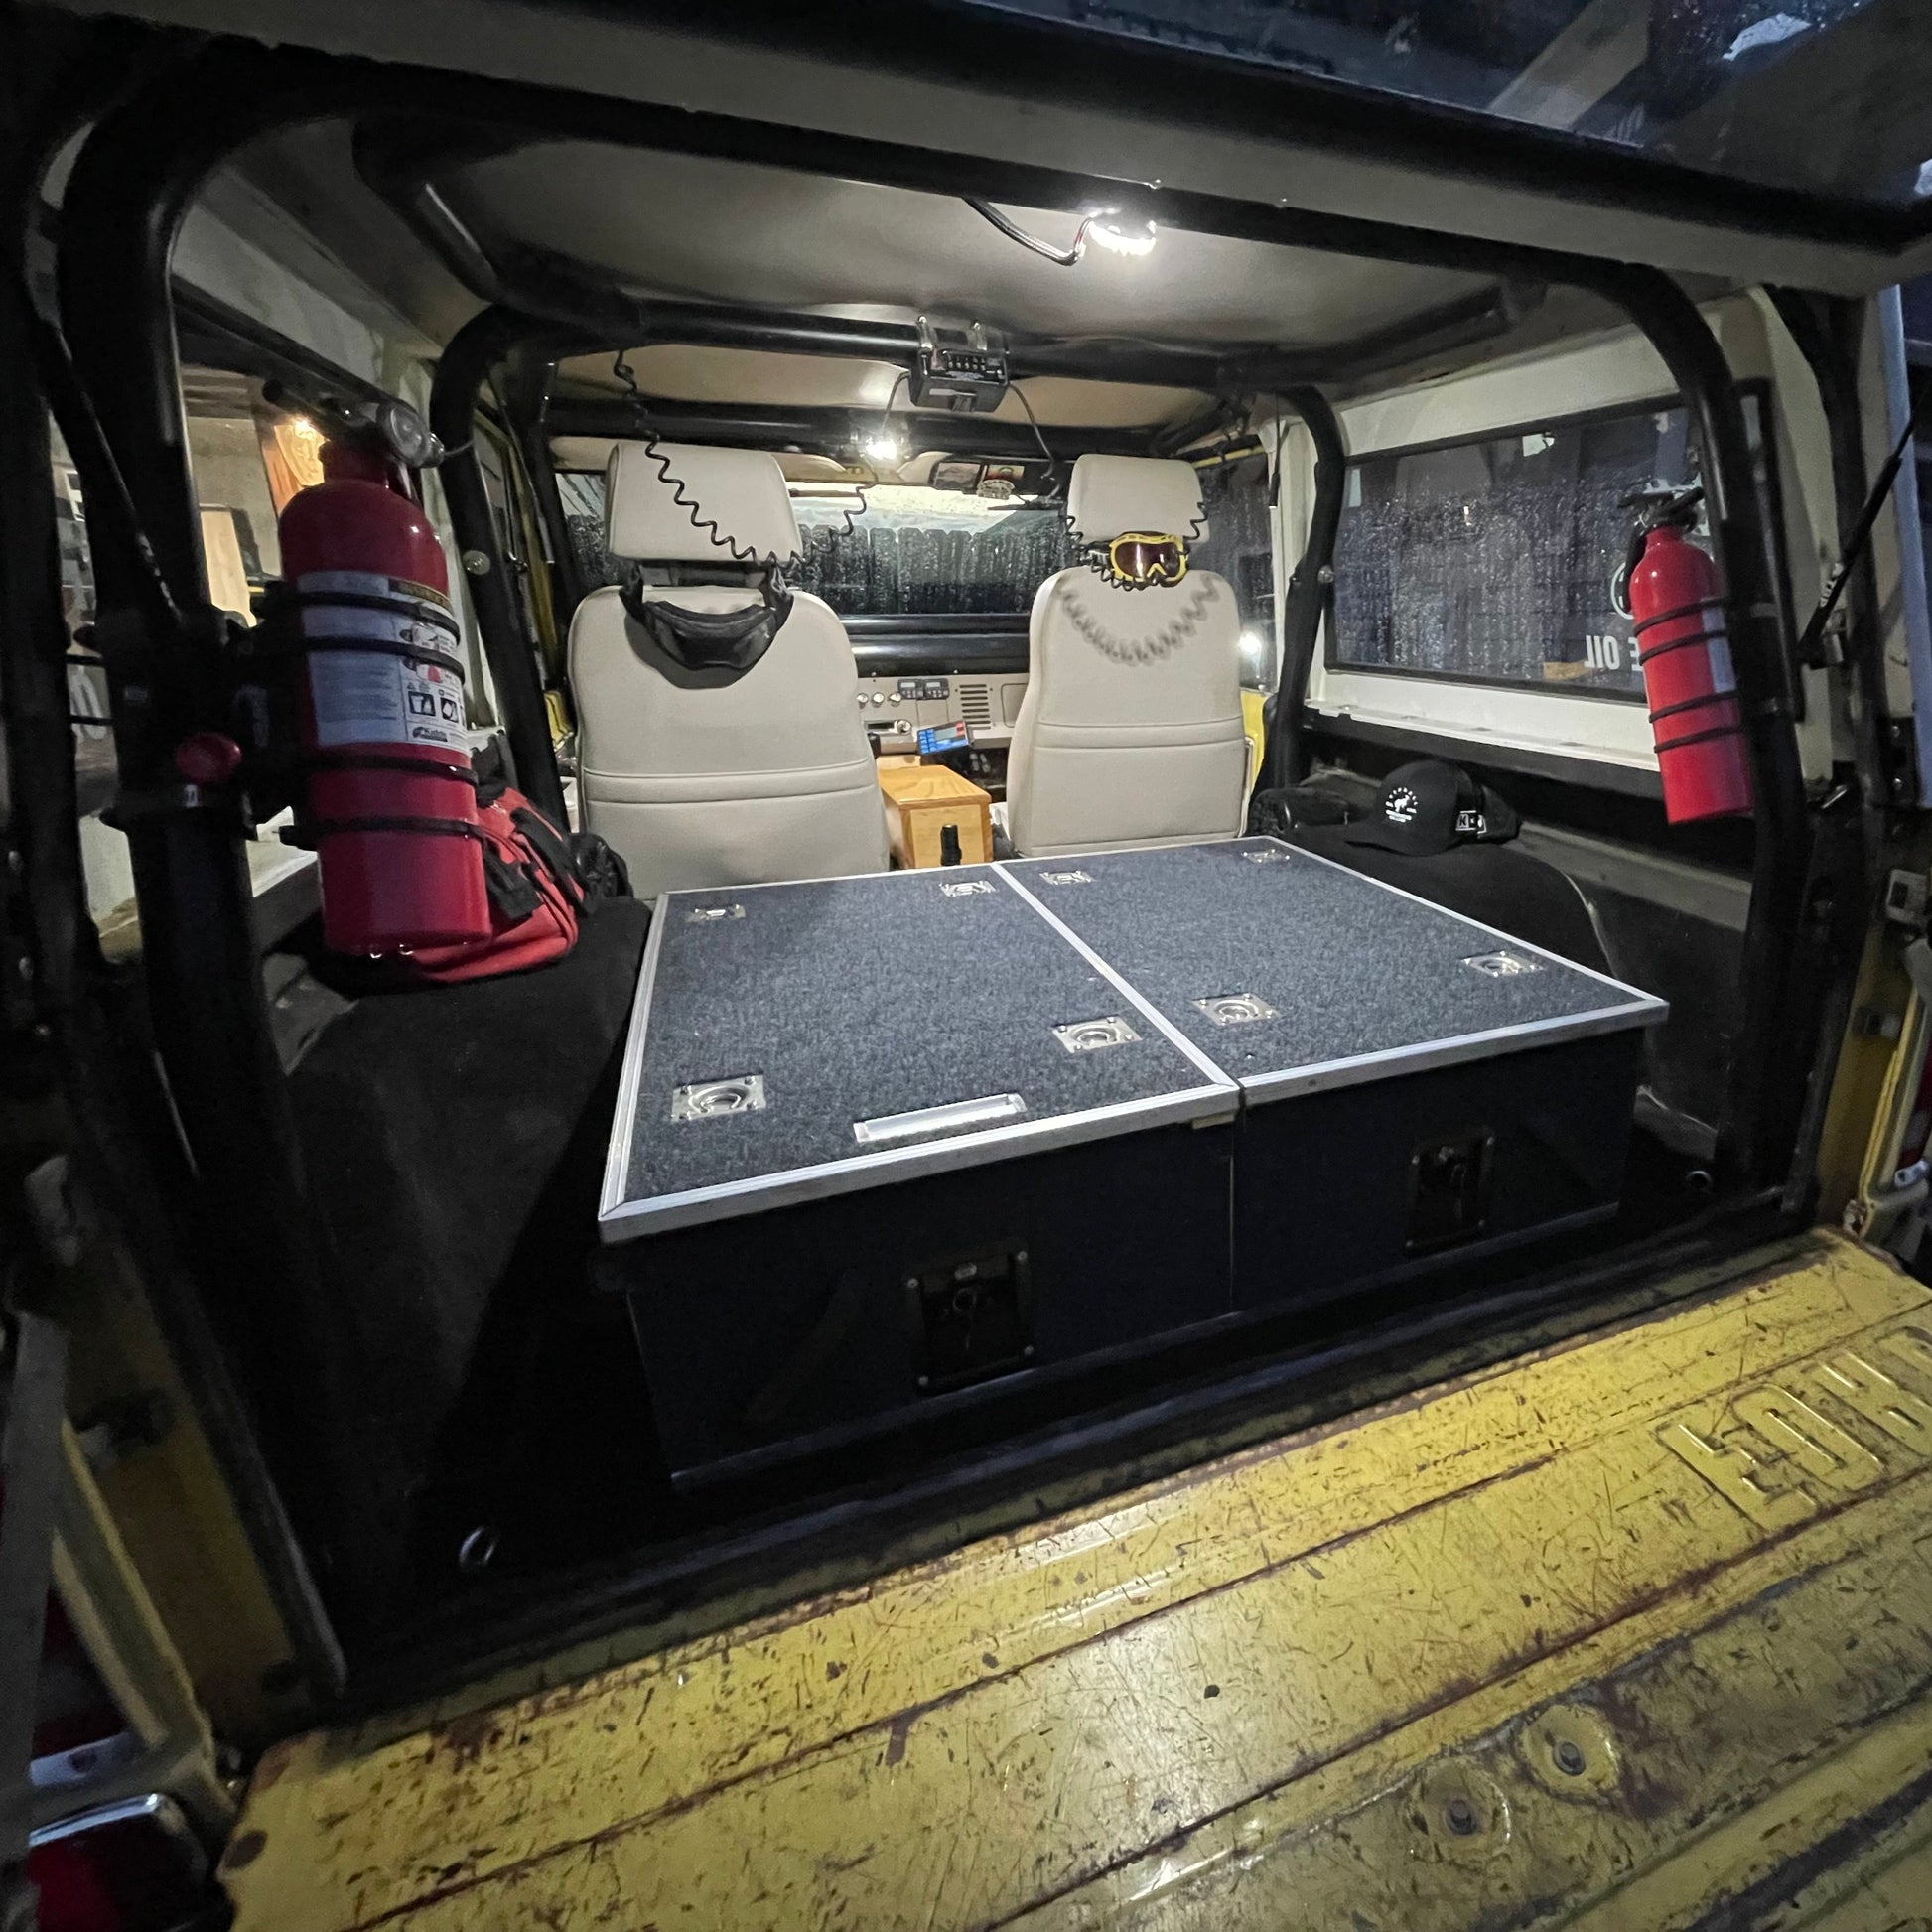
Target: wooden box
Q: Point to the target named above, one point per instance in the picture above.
(922, 799)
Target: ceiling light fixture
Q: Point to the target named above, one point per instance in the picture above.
(1122, 235)
(884, 447)
(1115, 230)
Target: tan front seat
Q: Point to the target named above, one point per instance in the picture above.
(709, 776)
(1131, 731)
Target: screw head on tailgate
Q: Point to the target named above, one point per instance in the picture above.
(1571, 1752)
(1459, 1813)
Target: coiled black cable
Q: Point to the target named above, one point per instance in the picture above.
(708, 527)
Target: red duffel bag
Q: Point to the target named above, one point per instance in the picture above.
(537, 886)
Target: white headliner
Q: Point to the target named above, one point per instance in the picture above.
(687, 226)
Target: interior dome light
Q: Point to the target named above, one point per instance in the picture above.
(1117, 232)
(884, 447)
(1122, 235)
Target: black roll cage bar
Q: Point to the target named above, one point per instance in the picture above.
(125, 198)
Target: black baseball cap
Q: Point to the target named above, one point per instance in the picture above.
(1430, 805)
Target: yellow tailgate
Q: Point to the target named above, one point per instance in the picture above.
(1621, 1634)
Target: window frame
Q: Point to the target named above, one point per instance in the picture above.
(1754, 391)
(1331, 659)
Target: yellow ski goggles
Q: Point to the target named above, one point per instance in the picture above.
(1141, 558)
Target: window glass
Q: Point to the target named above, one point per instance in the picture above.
(247, 459)
(1757, 91)
(581, 492)
(1239, 546)
(1493, 560)
(911, 550)
(88, 711)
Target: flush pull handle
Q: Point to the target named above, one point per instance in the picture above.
(955, 1117)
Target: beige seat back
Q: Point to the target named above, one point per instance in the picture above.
(712, 777)
(1131, 732)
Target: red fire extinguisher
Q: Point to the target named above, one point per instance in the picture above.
(391, 800)
(1676, 601)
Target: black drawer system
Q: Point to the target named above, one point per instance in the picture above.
(898, 1147)
(1414, 1086)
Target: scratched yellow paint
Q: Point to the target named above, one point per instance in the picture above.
(1887, 1889)
(1644, 1833)
(1075, 1723)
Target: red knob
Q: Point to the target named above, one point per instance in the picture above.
(207, 758)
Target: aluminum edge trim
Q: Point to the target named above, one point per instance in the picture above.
(854, 1173)
(1359, 1069)
(616, 1152)
(931, 873)
(1115, 978)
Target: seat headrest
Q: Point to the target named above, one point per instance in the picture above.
(742, 492)
(1112, 494)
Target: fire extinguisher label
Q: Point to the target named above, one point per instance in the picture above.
(395, 612)
(1722, 676)
(382, 700)
(382, 697)
(372, 582)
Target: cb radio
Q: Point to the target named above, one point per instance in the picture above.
(961, 369)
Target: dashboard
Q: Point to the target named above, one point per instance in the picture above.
(939, 668)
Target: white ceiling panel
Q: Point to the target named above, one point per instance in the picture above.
(690, 227)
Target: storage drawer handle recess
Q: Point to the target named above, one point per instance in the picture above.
(1236, 1008)
(713, 1099)
(1092, 1036)
(1502, 965)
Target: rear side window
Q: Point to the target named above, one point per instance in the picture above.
(1491, 560)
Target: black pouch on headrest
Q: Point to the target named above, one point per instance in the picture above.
(713, 640)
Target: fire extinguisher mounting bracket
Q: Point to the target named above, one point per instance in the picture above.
(165, 802)
(1662, 503)
(1659, 505)
(389, 426)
